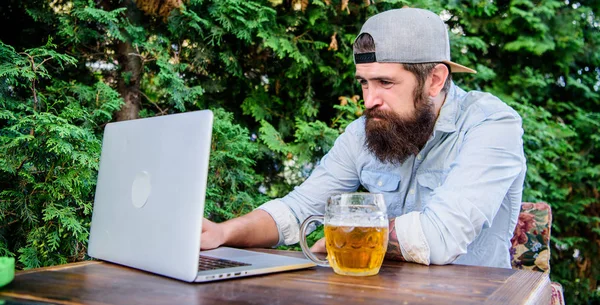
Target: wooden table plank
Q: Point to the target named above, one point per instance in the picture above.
(540, 290)
(400, 283)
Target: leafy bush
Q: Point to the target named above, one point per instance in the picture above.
(50, 150)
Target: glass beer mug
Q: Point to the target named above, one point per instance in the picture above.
(356, 233)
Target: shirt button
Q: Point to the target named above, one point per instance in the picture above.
(419, 157)
(412, 191)
(379, 183)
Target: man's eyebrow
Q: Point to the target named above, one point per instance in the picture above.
(378, 78)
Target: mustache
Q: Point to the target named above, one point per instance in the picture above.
(378, 113)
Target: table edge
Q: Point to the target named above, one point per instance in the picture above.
(539, 294)
(542, 294)
(57, 267)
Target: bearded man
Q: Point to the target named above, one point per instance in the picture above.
(450, 163)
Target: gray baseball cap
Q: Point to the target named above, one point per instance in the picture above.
(408, 35)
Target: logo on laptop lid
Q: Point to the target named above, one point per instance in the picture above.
(140, 189)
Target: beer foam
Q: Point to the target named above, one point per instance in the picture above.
(358, 220)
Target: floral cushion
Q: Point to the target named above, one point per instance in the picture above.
(531, 243)
(531, 240)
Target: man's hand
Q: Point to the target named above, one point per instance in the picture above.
(213, 235)
(393, 250)
(319, 246)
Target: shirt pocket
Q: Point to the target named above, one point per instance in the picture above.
(379, 182)
(426, 184)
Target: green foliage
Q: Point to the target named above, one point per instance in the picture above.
(285, 74)
(164, 85)
(49, 147)
(233, 185)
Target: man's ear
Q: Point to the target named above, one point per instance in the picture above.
(438, 77)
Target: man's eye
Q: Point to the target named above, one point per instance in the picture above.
(386, 84)
(363, 83)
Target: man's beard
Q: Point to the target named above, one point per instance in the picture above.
(391, 138)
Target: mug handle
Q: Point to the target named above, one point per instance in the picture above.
(304, 245)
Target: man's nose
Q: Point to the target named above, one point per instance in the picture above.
(372, 98)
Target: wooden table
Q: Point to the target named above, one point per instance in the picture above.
(94, 282)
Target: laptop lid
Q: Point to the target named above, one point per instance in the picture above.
(150, 193)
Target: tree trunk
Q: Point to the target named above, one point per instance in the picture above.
(129, 81)
(130, 70)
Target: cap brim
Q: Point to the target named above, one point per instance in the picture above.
(456, 68)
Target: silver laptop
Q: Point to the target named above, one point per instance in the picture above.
(149, 203)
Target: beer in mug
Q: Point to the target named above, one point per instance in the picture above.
(356, 249)
(356, 234)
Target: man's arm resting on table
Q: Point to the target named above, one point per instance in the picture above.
(255, 229)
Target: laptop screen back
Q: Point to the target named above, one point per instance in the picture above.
(150, 194)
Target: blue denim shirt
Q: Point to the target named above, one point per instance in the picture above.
(457, 201)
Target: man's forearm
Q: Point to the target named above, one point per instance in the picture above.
(393, 251)
(255, 229)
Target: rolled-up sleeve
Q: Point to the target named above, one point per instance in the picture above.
(286, 221)
(413, 243)
(490, 159)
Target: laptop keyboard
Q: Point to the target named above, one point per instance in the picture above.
(211, 263)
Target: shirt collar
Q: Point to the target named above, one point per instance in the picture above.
(446, 121)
